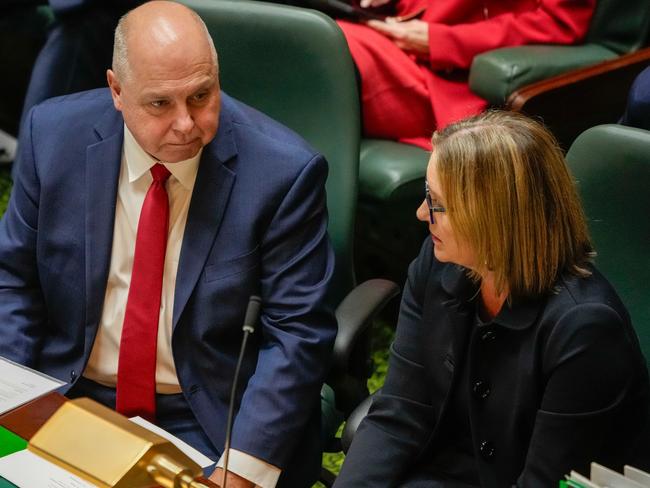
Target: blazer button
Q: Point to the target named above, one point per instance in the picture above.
(487, 450)
(73, 375)
(489, 335)
(481, 389)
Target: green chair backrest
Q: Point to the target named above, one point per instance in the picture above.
(620, 25)
(611, 165)
(293, 64)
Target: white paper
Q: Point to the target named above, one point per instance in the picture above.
(637, 475)
(188, 450)
(27, 470)
(19, 385)
(583, 480)
(610, 478)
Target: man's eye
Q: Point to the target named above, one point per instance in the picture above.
(158, 103)
(200, 97)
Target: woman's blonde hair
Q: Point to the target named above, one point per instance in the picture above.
(510, 196)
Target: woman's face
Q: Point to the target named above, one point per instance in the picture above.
(447, 246)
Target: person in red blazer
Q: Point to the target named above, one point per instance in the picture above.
(414, 70)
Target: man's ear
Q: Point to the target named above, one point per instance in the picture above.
(116, 89)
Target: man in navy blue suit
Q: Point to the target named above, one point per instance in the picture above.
(244, 213)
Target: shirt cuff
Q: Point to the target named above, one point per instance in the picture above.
(263, 474)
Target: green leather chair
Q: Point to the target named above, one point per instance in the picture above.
(543, 80)
(294, 65)
(618, 27)
(571, 87)
(611, 165)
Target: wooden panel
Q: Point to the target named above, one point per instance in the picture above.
(24, 421)
(572, 102)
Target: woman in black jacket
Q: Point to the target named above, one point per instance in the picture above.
(514, 360)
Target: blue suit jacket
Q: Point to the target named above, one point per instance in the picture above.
(256, 225)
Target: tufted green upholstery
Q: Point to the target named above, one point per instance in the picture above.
(497, 74)
(398, 169)
(391, 186)
(611, 164)
(617, 27)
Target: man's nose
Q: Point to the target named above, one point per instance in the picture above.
(183, 120)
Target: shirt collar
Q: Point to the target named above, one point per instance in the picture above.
(139, 162)
(517, 313)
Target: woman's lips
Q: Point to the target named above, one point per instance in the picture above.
(435, 239)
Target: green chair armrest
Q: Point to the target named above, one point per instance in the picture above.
(355, 314)
(390, 170)
(353, 421)
(496, 74)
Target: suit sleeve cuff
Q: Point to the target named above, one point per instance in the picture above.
(263, 474)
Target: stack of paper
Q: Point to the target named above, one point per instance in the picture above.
(602, 477)
(19, 385)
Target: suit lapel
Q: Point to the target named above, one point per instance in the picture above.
(102, 173)
(214, 183)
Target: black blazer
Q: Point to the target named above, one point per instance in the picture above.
(565, 379)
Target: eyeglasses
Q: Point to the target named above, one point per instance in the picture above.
(430, 204)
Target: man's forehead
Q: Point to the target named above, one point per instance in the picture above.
(174, 87)
(158, 33)
(151, 64)
(163, 33)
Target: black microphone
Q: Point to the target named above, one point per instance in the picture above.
(250, 320)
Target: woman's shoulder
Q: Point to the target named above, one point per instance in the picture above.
(585, 292)
(584, 310)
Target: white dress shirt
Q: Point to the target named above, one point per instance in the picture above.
(134, 181)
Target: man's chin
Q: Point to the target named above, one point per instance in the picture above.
(176, 152)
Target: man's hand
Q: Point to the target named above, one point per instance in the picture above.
(411, 36)
(373, 3)
(234, 480)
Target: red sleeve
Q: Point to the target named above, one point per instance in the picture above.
(552, 22)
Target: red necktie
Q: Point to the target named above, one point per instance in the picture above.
(136, 370)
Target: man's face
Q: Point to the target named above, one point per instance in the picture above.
(170, 103)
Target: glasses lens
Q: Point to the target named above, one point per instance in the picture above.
(427, 197)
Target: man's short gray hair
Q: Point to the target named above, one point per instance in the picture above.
(121, 66)
(120, 50)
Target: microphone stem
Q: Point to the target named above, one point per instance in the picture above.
(231, 407)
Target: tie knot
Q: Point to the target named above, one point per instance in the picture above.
(159, 173)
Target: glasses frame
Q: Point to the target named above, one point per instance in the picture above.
(432, 208)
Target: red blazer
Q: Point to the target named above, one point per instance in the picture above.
(461, 29)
